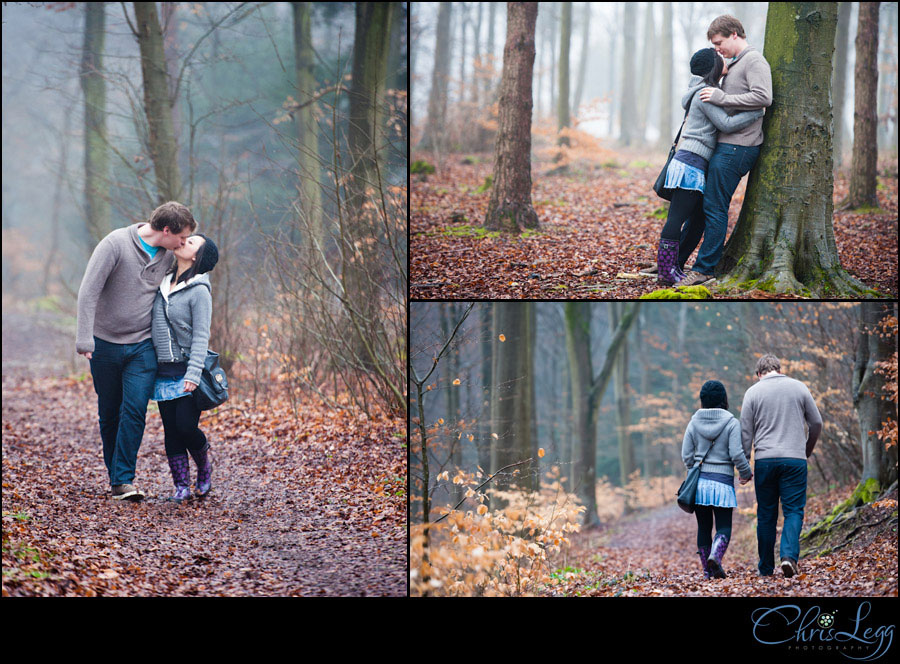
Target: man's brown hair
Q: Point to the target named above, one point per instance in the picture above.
(767, 363)
(725, 26)
(174, 215)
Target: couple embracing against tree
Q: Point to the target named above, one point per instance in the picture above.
(730, 85)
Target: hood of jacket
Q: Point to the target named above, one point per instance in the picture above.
(197, 280)
(696, 84)
(709, 423)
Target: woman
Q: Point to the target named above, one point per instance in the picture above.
(714, 429)
(686, 174)
(181, 318)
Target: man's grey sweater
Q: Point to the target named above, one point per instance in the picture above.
(746, 86)
(774, 417)
(720, 429)
(116, 294)
(705, 121)
(189, 311)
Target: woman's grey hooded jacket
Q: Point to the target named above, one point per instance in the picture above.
(720, 428)
(189, 308)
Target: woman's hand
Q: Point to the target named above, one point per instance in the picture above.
(189, 386)
(744, 481)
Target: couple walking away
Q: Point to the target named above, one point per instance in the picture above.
(772, 421)
(720, 143)
(144, 312)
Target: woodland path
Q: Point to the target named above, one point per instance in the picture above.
(312, 506)
(652, 554)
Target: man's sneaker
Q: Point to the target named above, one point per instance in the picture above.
(697, 278)
(127, 492)
(789, 567)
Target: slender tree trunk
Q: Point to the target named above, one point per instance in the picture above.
(870, 394)
(562, 105)
(865, 117)
(839, 80)
(433, 138)
(649, 60)
(158, 104)
(487, 381)
(623, 410)
(96, 152)
(583, 60)
(665, 63)
(510, 205)
(784, 238)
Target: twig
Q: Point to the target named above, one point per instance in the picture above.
(519, 463)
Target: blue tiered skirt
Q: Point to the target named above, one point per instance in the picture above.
(716, 489)
(684, 176)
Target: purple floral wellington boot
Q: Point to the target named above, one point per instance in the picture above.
(719, 546)
(704, 554)
(667, 260)
(181, 476)
(204, 470)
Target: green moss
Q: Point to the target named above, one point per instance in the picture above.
(469, 231)
(679, 293)
(660, 213)
(488, 183)
(421, 167)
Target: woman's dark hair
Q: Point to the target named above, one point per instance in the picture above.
(712, 78)
(192, 270)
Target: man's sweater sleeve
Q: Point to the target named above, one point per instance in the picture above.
(748, 428)
(736, 452)
(759, 80)
(99, 267)
(813, 421)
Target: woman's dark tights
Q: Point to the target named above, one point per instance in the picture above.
(181, 419)
(705, 523)
(685, 223)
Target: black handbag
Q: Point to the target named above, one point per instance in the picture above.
(212, 391)
(660, 185)
(687, 492)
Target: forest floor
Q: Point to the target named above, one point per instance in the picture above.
(653, 553)
(599, 224)
(312, 505)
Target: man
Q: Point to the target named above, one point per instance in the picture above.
(772, 421)
(746, 86)
(115, 301)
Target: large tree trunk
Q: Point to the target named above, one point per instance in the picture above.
(865, 118)
(513, 375)
(562, 105)
(870, 394)
(784, 238)
(435, 125)
(510, 206)
(158, 104)
(96, 152)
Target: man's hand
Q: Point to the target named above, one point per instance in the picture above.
(706, 93)
(88, 355)
(745, 481)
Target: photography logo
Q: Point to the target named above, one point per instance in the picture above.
(858, 636)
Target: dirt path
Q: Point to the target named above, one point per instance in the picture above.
(653, 554)
(308, 508)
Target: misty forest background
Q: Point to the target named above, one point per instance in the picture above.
(532, 421)
(532, 166)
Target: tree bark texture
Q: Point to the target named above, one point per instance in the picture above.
(869, 394)
(784, 237)
(623, 408)
(865, 110)
(510, 206)
(157, 103)
(96, 152)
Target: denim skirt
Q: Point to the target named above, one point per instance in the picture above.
(684, 176)
(167, 388)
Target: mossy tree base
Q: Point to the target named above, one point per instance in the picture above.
(679, 293)
(512, 217)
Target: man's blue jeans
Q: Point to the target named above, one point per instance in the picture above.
(124, 375)
(727, 166)
(785, 480)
